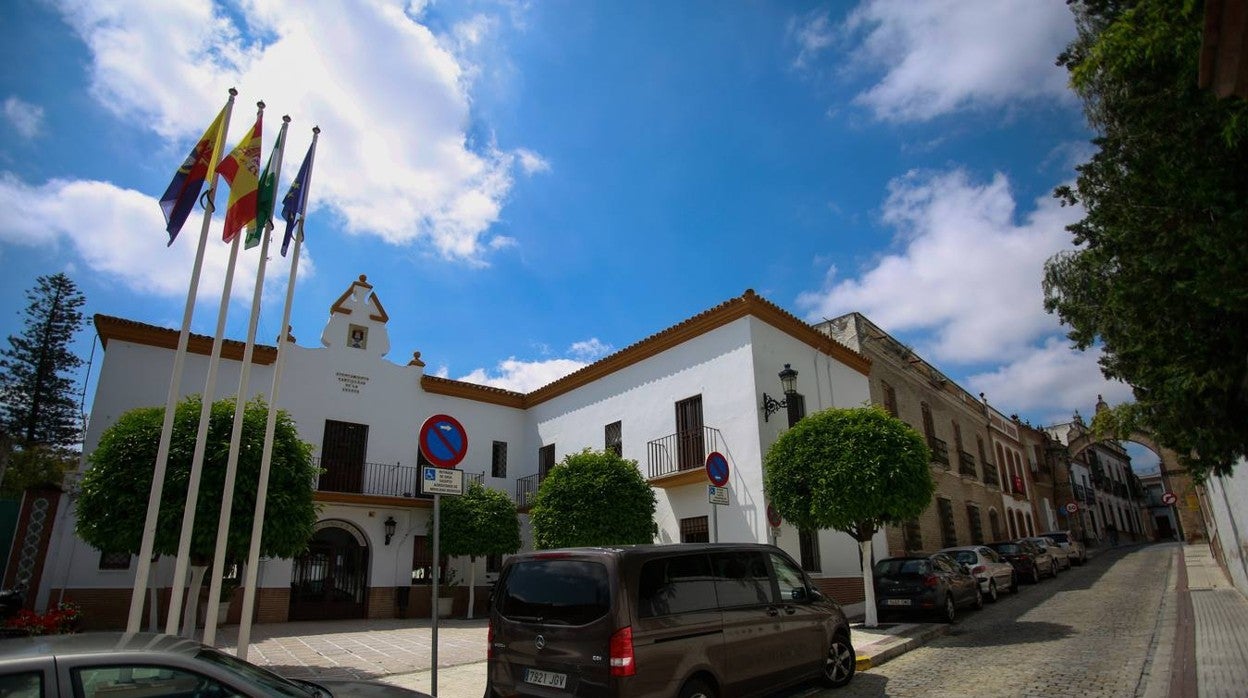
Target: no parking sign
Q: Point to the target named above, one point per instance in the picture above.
(443, 440)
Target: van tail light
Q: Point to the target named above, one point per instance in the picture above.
(979, 569)
(931, 581)
(621, 652)
(489, 640)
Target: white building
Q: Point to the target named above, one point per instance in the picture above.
(666, 402)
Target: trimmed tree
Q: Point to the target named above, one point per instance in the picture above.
(481, 522)
(112, 507)
(1156, 277)
(852, 470)
(593, 498)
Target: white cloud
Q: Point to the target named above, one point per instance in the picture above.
(967, 273)
(395, 158)
(531, 162)
(121, 234)
(27, 118)
(524, 376)
(813, 33)
(943, 56)
(1048, 380)
(590, 349)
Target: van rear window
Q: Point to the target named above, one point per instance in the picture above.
(555, 592)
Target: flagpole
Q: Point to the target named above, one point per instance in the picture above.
(143, 570)
(240, 404)
(270, 426)
(201, 445)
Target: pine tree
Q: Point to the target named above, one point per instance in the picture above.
(37, 402)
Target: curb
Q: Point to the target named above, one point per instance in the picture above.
(877, 653)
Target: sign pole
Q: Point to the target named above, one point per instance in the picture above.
(714, 523)
(437, 581)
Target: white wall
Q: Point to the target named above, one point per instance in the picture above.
(730, 367)
(1228, 503)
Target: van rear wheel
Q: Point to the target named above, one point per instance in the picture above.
(697, 688)
(839, 666)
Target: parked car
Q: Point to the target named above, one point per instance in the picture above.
(94, 665)
(935, 583)
(1061, 558)
(1029, 560)
(993, 572)
(1078, 554)
(685, 620)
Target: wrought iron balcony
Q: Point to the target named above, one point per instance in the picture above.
(940, 451)
(379, 479)
(526, 491)
(966, 464)
(681, 451)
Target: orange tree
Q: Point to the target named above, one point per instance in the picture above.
(852, 470)
(593, 498)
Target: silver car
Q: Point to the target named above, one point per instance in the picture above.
(1061, 555)
(138, 665)
(1066, 539)
(994, 573)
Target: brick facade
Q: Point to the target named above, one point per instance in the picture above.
(955, 426)
(843, 590)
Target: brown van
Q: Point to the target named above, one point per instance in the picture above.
(689, 620)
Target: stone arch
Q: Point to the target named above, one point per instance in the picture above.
(1173, 476)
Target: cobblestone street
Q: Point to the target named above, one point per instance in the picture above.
(1087, 633)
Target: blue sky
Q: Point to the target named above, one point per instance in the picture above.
(532, 185)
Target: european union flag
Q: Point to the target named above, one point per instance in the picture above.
(296, 200)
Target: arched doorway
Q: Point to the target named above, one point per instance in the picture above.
(330, 579)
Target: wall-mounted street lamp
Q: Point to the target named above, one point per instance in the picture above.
(788, 383)
(390, 525)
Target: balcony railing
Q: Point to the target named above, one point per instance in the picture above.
(526, 490)
(380, 479)
(681, 451)
(940, 451)
(966, 464)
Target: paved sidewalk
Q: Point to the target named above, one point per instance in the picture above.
(398, 651)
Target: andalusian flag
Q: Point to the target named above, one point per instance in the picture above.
(266, 198)
(179, 198)
(241, 168)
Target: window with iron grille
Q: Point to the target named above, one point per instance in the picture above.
(493, 563)
(114, 561)
(422, 560)
(545, 460)
(994, 524)
(498, 463)
(977, 524)
(809, 543)
(913, 535)
(948, 531)
(695, 530)
(890, 398)
(615, 438)
(929, 427)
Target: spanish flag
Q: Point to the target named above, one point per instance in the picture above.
(179, 198)
(241, 168)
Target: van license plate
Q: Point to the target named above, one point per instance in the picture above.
(896, 602)
(546, 678)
